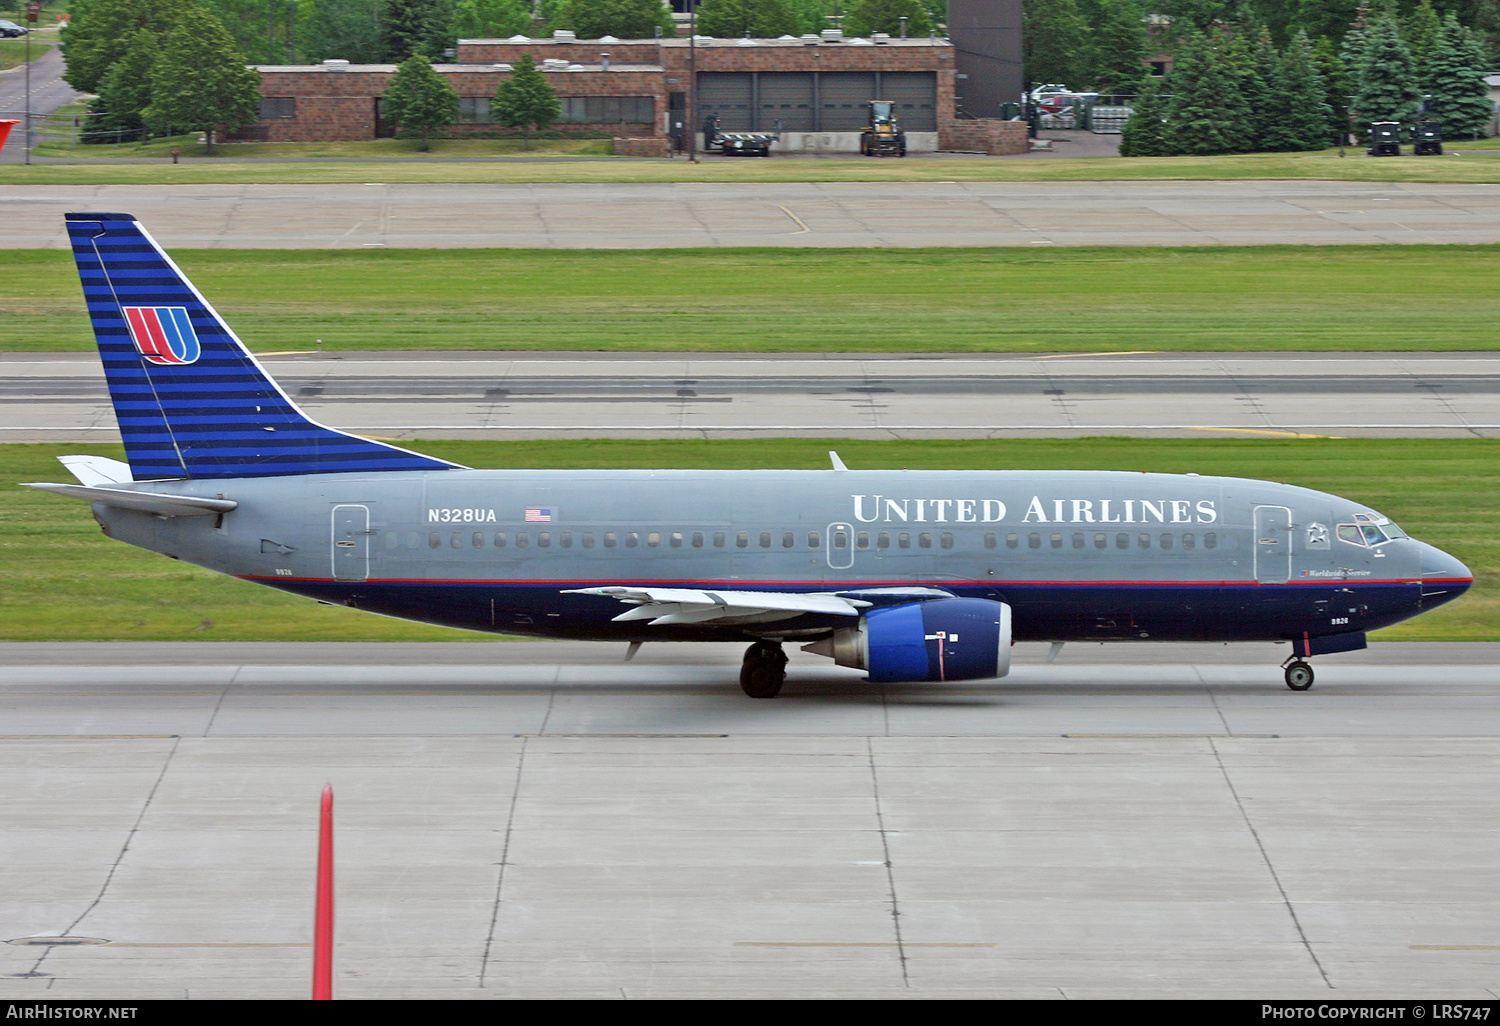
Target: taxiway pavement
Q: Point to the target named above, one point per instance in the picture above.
(62, 397)
(654, 215)
(540, 820)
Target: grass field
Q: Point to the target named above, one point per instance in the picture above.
(188, 146)
(65, 581)
(13, 51)
(1397, 298)
(1481, 166)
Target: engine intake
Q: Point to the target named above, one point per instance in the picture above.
(946, 639)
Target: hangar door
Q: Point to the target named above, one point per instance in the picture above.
(831, 101)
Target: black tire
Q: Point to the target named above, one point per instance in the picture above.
(763, 671)
(1299, 676)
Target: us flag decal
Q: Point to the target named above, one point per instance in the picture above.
(163, 334)
(538, 514)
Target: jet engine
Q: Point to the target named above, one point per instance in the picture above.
(945, 639)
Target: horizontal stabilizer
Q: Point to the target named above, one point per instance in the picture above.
(97, 470)
(146, 502)
(664, 606)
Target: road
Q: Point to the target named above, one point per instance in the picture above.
(48, 92)
(61, 397)
(630, 216)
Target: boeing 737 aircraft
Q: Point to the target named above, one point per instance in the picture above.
(908, 575)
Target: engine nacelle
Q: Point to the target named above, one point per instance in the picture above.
(945, 639)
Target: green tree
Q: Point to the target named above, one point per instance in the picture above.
(1458, 93)
(525, 100)
(199, 80)
(866, 17)
(623, 19)
(1420, 29)
(1120, 45)
(1387, 89)
(347, 30)
(1338, 87)
(760, 19)
(418, 99)
(1055, 43)
(115, 114)
(416, 27)
(490, 19)
(1301, 116)
(1207, 114)
(262, 29)
(1145, 132)
(1256, 66)
(99, 37)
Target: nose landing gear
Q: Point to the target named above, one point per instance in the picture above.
(1299, 675)
(764, 670)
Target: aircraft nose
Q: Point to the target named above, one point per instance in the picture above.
(1444, 577)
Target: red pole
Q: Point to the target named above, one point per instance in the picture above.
(323, 918)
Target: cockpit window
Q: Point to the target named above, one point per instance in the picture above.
(1369, 529)
(1351, 533)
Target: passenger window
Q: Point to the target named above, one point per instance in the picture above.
(653, 538)
(522, 540)
(1187, 542)
(499, 539)
(587, 538)
(1210, 540)
(434, 540)
(609, 539)
(478, 540)
(1122, 541)
(697, 539)
(1078, 540)
(862, 540)
(565, 539)
(924, 540)
(719, 539)
(742, 540)
(1101, 541)
(990, 541)
(903, 540)
(765, 539)
(814, 539)
(789, 539)
(1057, 541)
(883, 540)
(1144, 541)
(1012, 541)
(1033, 540)
(1166, 542)
(675, 539)
(457, 540)
(839, 540)
(945, 540)
(544, 539)
(632, 539)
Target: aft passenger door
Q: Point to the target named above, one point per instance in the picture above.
(351, 542)
(1273, 544)
(840, 546)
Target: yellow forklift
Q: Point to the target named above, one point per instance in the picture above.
(884, 137)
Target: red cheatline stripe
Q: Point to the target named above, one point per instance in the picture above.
(821, 585)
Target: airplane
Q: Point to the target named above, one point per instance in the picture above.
(911, 576)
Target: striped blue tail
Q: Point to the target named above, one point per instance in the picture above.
(190, 398)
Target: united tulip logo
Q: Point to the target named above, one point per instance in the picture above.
(163, 334)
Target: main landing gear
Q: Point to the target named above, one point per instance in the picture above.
(764, 670)
(1299, 675)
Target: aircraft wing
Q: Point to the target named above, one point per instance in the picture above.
(664, 606)
(146, 502)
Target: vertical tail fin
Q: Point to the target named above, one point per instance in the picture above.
(190, 398)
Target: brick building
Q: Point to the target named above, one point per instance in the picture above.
(814, 89)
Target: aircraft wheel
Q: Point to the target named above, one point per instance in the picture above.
(764, 670)
(1299, 676)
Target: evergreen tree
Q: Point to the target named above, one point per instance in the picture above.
(418, 99)
(1325, 18)
(1338, 87)
(1387, 88)
(1055, 42)
(1420, 29)
(1207, 114)
(1119, 47)
(411, 27)
(115, 114)
(623, 19)
(1458, 94)
(1352, 51)
(347, 30)
(199, 80)
(490, 19)
(262, 29)
(1301, 117)
(1145, 132)
(759, 19)
(866, 17)
(525, 100)
(1256, 66)
(102, 35)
